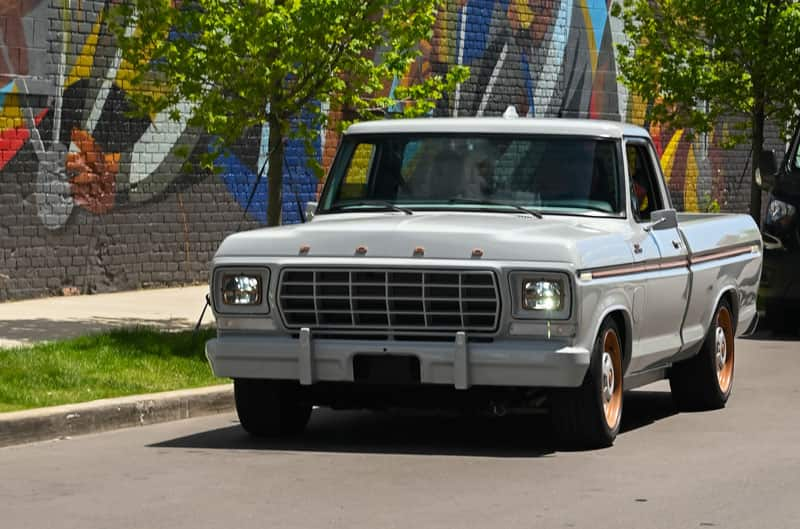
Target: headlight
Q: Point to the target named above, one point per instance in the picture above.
(779, 210)
(241, 289)
(543, 295)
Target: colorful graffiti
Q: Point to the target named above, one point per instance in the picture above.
(91, 154)
(97, 200)
(549, 58)
(556, 59)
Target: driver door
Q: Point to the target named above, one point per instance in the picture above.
(667, 277)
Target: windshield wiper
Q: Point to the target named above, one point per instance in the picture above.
(385, 204)
(482, 202)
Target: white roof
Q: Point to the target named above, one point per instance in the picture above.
(550, 126)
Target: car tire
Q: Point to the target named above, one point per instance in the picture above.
(271, 408)
(705, 381)
(589, 416)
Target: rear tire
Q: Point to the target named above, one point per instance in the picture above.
(705, 381)
(589, 416)
(270, 408)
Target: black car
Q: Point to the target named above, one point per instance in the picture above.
(779, 294)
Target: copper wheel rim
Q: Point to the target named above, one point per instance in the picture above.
(611, 378)
(723, 349)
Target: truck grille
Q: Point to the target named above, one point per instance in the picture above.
(395, 300)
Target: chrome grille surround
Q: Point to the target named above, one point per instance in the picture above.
(389, 301)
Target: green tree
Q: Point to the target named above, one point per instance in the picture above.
(696, 61)
(235, 64)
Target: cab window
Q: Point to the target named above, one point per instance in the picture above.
(645, 197)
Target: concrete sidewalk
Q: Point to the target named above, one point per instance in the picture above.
(36, 320)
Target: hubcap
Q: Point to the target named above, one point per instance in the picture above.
(608, 378)
(722, 349)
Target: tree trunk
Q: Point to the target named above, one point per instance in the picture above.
(758, 146)
(275, 172)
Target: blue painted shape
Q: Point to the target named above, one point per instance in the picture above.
(4, 92)
(598, 12)
(298, 181)
(239, 180)
(528, 83)
(478, 21)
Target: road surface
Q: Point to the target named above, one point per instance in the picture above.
(734, 468)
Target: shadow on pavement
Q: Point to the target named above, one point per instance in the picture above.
(26, 331)
(421, 433)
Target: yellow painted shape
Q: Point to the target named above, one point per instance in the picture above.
(587, 20)
(523, 13)
(668, 158)
(690, 185)
(355, 180)
(637, 109)
(85, 61)
(11, 114)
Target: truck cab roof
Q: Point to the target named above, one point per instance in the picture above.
(500, 125)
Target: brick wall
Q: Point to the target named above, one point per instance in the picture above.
(92, 199)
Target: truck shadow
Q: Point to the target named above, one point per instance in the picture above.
(422, 433)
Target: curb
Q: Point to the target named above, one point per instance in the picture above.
(111, 414)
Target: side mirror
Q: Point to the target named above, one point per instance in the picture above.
(767, 169)
(663, 219)
(311, 210)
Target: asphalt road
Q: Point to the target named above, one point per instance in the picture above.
(738, 467)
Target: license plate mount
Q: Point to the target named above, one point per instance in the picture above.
(386, 369)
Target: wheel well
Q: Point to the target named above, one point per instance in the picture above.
(624, 325)
(733, 303)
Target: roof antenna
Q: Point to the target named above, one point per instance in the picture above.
(511, 112)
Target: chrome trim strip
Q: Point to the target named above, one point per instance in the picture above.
(668, 263)
(725, 253)
(656, 265)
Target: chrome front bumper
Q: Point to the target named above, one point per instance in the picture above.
(503, 362)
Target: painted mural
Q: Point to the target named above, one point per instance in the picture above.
(90, 154)
(549, 58)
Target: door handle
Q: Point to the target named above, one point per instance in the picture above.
(676, 244)
(637, 248)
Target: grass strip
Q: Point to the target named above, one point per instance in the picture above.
(110, 364)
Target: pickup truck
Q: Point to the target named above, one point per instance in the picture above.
(485, 263)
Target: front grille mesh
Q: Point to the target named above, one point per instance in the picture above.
(391, 300)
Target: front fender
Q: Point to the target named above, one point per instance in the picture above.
(600, 300)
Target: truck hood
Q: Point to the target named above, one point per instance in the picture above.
(583, 242)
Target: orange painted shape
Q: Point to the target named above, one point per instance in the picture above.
(94, 173)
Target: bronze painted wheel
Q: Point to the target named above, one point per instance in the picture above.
(705, 381)
(723, 349)
(589, 416)
(611, 378)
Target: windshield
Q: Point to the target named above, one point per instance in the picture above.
(548, 174)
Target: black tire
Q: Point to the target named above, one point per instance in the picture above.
(270, 408)
(698, 383)
(583, 417)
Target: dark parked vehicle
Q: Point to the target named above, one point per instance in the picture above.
(779, 294)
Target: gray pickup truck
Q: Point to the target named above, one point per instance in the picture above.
(485, 263)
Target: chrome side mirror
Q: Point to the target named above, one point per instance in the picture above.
(663, 219)
(311, 210)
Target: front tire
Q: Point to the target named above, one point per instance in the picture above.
(589, 416)
(270, 408)
(705, 381)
